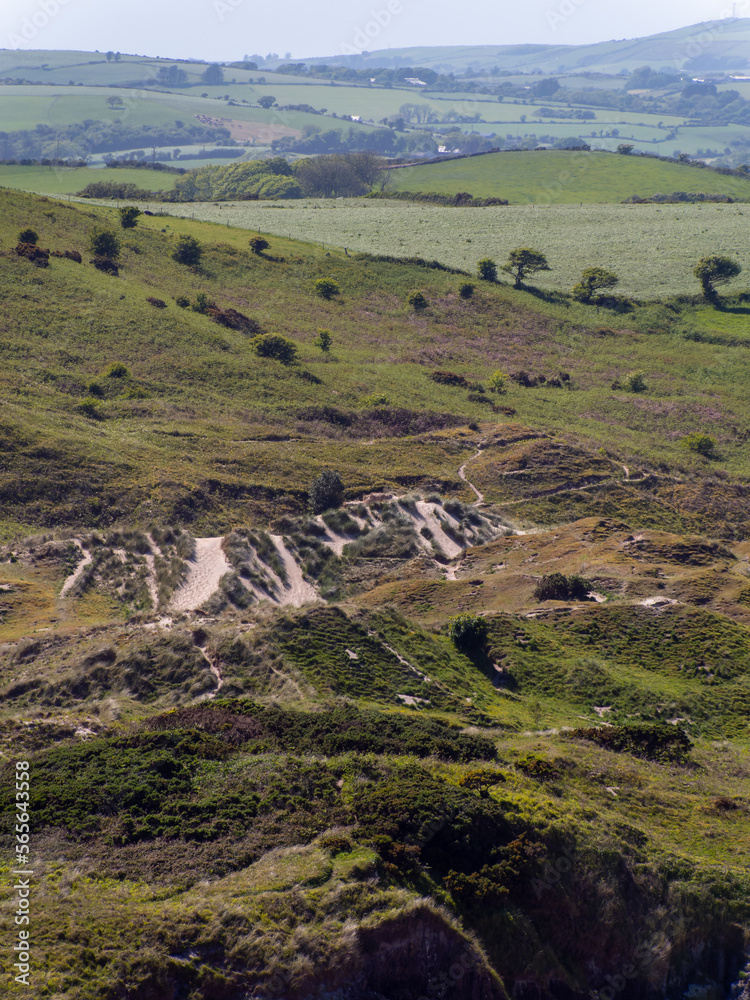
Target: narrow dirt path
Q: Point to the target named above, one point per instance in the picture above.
(462, 475)
(205, 571)
(75, 576)
(214, 670)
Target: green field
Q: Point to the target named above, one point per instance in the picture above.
(559, 177)
(71, 180)
(652, 247)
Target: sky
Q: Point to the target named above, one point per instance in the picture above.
(224, 30)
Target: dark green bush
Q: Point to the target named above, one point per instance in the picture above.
(327, 288)
(558, 587)
(466, 290)
(28, 236)
(417, 301)
(326, 492)
(468, 632)
(272, 345)
(188, 251)
(105, 243)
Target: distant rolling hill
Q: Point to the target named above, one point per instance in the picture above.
(712, 45)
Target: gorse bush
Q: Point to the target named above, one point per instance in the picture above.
(635, 382)
(28, 236)
(466, 290)
(105, 243)
(703, 444)
(188, 251)
(117, 370)
(258, 244)
(487, 270)
(272, 345)
(327, 288)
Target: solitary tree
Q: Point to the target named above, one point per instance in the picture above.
(258, 244)
(481, 781)
(524, 262)
(213, 75)
(129, 216)
(593, 279)
(468, 632)
(715, 270)
(267, 101)
(326, 492)
(28, 236)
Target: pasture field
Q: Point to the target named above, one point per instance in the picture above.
(560, 177)
(27, 107)
(70, 180)
(652, 247)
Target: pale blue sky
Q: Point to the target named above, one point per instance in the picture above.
(227, 29)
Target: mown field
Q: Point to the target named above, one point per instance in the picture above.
(653, 248)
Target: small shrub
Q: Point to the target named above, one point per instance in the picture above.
(271, 345)
(487, 269)
(466, 290)
(88, 407)
(188, 251)
(117, 370)
(235, 320)
(326, 492)
(105, 243)
(156, 303)
(203, 303)
(468, 632)
(73, 255)
(323, 340)
(182, 302)
(129, 216)
(417, 301)
(327, 288)
(635, 382)
(258, 244)
(28, 236)
(703, 444)
(497, 381)
(96, 390)
(376, 399)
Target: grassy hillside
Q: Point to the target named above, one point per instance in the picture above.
(253, 794)
(558, 177)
